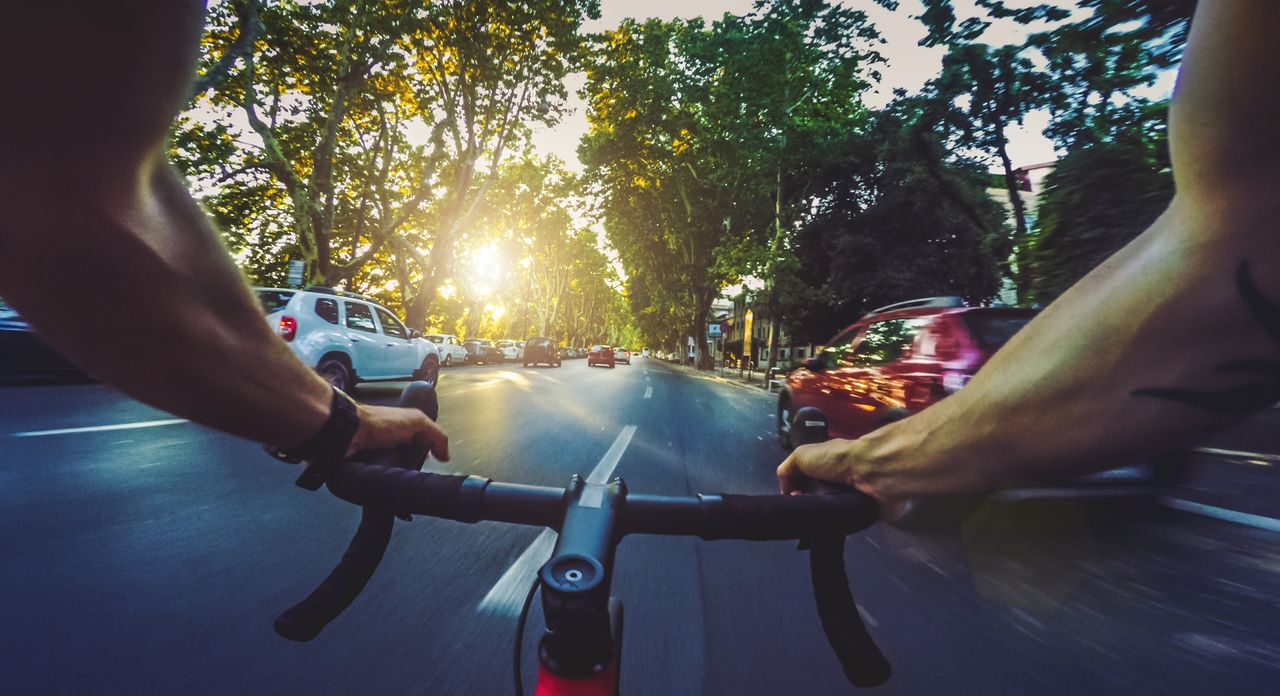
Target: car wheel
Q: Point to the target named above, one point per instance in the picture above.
(448, 360)
(429, 372)
(784, 422)
(336, 373)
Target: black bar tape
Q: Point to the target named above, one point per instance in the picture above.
(398, 491)
(863, 663)
(306, 619)
(775, 517)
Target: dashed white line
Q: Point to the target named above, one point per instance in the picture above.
(648, 392)
(610, 460)
(101, 428)
(506, 597)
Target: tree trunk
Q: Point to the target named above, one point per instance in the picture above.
(1020, 236)
(705, 298)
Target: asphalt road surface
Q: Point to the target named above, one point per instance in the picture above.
(154, 557)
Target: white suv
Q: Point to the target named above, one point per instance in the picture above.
(452, 352)
(348, 338)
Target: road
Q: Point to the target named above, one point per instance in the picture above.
(153, 559)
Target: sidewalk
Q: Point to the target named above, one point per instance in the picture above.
(755, 383)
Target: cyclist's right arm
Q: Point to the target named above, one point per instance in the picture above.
(1153, 346)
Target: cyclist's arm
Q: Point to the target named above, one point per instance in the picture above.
(105, 252)
(1155, 346)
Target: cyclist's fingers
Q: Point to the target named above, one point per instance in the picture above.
(436, 439)
(789, 475)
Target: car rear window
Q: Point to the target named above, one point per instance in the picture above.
(360, 317)
(992, 332)
(274, 300)
(886, 341)
(327, 309)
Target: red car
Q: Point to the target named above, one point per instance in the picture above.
(600, 355)
(896, 361)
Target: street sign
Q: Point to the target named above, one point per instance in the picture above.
(295, 273)
(713, 330)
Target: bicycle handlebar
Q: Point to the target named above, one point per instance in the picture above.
(390, 485)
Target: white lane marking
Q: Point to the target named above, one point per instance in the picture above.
(867, 618)
(648, 392)
(1257, 521)
(1250, 457)
(102, 428)
(506, 597)
(610, 460)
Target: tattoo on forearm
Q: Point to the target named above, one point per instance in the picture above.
(1241, 399)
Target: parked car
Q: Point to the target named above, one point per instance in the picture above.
(600, 355)
(451, 349)
(481, 351)
(622, 355)
(903, 358)
(348, 338)
(541, 350)
(511, 352)
(24, 356)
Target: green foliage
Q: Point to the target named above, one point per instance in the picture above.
(375, 129)
(703, 142)
(1097, 200)
(896, 222)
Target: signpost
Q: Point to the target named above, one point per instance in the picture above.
(295, 273)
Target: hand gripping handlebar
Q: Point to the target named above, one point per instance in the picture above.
(390, 484)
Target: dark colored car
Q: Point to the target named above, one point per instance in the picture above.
(24, 356)
(541, 350)
(482, 351)
(600, 355)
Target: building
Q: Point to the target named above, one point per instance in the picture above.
(750, 308)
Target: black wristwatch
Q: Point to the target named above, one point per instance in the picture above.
(327, 448)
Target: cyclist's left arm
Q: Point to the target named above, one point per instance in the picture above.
(105, 252)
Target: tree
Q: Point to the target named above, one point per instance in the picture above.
(796, 71)
(1097, 200)
(384, 123)
(981, 93)
(702, 138)
(890, 225)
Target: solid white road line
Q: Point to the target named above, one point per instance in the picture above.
(1250, 457)
(1256, 521)
(101, 428)
(506, 597)
(648, 392)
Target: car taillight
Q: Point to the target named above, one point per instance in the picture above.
(287, 328)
